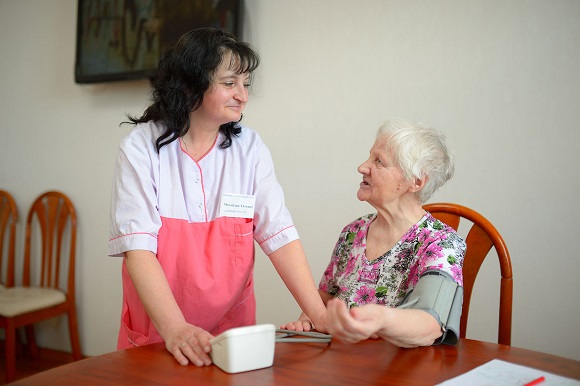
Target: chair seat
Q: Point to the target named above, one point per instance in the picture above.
(48, 276)
(20, 300)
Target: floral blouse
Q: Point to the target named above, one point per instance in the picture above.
(427, 245)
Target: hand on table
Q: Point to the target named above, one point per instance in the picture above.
(305, 324)
(189, 343)
(299, 325)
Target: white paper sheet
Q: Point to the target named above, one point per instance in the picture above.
(501, 373)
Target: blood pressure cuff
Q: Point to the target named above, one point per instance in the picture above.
(439, 295)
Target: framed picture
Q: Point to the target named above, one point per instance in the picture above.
(124, 39)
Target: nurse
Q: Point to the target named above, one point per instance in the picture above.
(193, 189)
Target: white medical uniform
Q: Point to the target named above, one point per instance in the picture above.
(169, 204)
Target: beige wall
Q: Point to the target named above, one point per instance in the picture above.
(500, 78)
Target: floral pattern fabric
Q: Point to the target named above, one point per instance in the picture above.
(430, 244)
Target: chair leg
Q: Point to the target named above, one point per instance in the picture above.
(10, 351)
(31, 341)
(19, 344)
(74, 335)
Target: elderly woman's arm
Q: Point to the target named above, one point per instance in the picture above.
(402, 327)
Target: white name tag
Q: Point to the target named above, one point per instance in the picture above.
(237, 205)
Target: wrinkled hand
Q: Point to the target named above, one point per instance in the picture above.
(189, 343)
(299, 325)
(354, 325)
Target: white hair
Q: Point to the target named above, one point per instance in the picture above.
(420, 151)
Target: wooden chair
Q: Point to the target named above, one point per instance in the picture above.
(481, 237)
(8, 220)
(48, 278)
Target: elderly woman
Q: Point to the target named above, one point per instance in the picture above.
(396, 274)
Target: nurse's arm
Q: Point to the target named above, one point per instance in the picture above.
(304, 323)
(185, 341)
(292, 266)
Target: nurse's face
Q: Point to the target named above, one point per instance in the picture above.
(227, 96)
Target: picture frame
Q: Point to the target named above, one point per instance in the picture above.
(120, 40)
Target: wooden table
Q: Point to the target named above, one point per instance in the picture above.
(372, 362)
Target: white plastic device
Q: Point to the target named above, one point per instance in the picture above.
(244, 348)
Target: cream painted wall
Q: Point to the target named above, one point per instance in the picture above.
(500, 78)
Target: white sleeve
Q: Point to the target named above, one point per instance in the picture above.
(274, 227)
(135, 219)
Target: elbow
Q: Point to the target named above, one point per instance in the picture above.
(426, 334)
(432, 337)
(433, 331)
(416, 339)
(427, 339)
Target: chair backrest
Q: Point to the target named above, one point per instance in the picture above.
(482, 236)
(8, 220)
(51, 222)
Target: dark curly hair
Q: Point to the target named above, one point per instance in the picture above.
(185, 73)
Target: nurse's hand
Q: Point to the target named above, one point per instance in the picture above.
(299, 325)
(189, 343)
(304, 323)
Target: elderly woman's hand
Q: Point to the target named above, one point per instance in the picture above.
(356, 324)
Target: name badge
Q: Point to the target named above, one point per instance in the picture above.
(237, 205)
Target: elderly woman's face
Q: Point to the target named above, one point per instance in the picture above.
(383, 181)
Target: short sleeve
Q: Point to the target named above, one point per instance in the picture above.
(134, 217)
(439, 247)
(274, 225)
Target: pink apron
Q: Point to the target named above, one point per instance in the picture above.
(209, 267)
